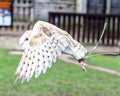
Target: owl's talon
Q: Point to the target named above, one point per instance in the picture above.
(83, 65)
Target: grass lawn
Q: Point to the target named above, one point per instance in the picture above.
(112, 62)
(63, 79)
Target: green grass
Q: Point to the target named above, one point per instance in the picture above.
(63, 79)
(112, 62)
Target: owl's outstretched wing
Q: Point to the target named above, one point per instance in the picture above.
(74, 47)
(50, 29)
(39, 57)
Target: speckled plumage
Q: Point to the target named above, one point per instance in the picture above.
(42, 46)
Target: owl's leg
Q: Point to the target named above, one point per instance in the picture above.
(82, 63)
(81, 60)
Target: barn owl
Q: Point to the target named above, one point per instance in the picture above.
(42, 45)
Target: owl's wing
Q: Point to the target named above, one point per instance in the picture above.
(39, 57)
(50, 29)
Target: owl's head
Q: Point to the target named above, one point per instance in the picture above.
(25, 38)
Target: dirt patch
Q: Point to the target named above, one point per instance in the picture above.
(9, 42)
(67, 59)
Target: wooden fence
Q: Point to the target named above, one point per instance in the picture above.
(87, 28)
(23, 10)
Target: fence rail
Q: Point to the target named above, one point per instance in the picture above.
(86, 28)
(17, 29)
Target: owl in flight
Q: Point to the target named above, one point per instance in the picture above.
(42, 46)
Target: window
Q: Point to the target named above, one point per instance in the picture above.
(96, 6)
(6, 13)
(115, 7)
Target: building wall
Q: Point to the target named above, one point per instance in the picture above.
(81, 6)
(43, 7)
(29, 10)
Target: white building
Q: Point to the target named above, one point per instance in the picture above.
(43, 7)
(29, 10)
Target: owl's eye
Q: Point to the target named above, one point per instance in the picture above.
(26, 39)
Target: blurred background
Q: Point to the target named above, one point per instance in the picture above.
(84, 20)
